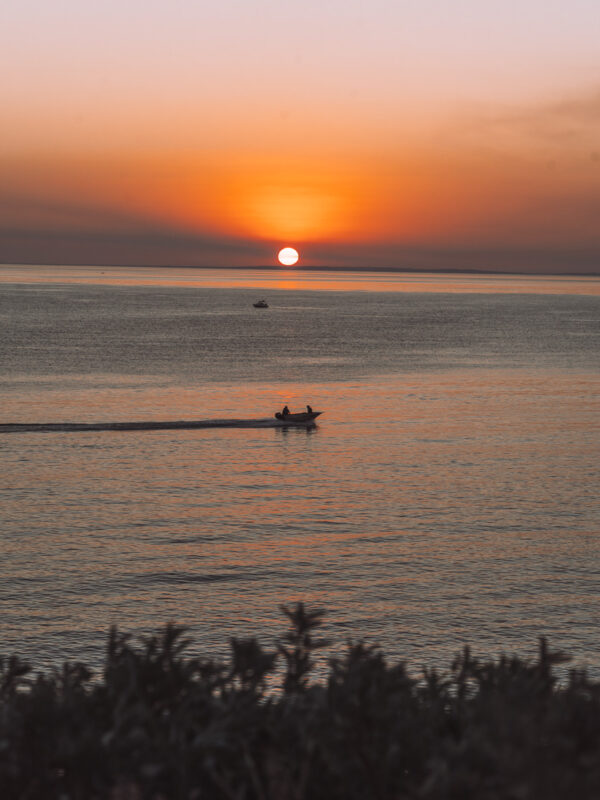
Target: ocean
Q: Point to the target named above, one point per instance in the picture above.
(448, 495)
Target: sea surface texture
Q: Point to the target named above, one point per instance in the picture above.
(448, 495)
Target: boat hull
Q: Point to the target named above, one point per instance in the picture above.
(297, 419)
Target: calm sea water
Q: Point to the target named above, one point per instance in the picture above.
(449, 494)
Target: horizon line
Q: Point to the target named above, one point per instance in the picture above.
(311, 268)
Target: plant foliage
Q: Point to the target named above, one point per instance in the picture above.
(162, 725)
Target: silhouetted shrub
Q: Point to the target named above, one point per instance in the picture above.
(161, 725)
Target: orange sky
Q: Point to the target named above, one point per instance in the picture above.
(385, 136)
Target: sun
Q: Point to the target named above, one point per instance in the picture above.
(288, 256)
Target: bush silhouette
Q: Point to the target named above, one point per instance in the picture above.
(162, 725)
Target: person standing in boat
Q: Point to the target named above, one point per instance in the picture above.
(309, 410)
(285, 411)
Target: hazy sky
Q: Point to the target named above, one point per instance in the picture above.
(412, 134)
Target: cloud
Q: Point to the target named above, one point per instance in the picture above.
(569, 123)
(55, 232)
(163, 249)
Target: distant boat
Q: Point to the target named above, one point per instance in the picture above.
(260, 304)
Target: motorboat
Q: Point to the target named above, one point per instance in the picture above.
(302, 418)
(260, 304)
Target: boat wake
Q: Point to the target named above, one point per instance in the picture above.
(168, 425)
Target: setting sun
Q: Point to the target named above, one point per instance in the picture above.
(288, 256)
